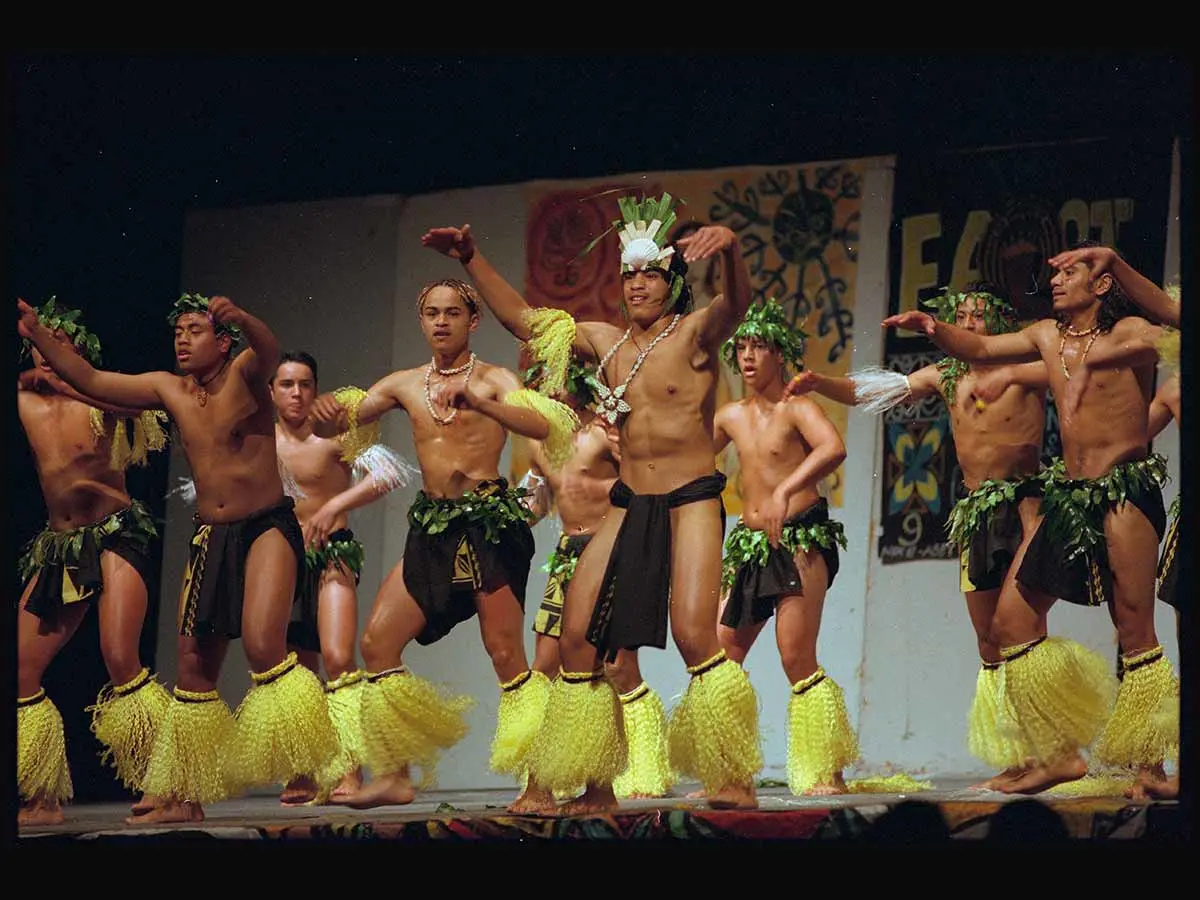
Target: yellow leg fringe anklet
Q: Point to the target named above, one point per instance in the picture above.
(344, 696)
(281, 729)
(41, 750)
(986, 740)
(522, 708)
(1055, 697)
(581, 741)
(407, 720)
(821, 742)
(645, 724)
(185, 764)
(713, 735)
(125, 718)
(1144, 727)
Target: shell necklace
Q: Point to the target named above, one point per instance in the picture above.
(1094, 333)
(611, 405)
(467, 367)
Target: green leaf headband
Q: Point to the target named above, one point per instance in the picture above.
(198, 303)
(64, 319)
(767, 321)
(578, 383)
(998, 313)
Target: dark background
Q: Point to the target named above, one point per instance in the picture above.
(106, 153)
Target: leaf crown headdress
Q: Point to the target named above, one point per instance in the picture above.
(998, 313)
(198, 303)
(62, 318)
(766, 320)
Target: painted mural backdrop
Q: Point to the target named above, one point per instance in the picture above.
(798, 227)
(998, 214)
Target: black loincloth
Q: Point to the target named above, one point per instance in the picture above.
(215, 579)
(302, 628)
(993, 547)
(632, 606)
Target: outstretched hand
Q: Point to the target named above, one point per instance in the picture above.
(774, 512)
(452, 395)
(990, 385)
(912, 320)
(326, 409)
(705, 242)
(27, 319)
(802, 383)
(456, 243)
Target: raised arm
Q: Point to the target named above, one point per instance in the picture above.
(991, 384)
(1154, 301)
(261, 358)
(1134, 342)
(139, 392)
(1165, 406)
(499, 386)
(872, 389)
(38, 380)
(337, 412)
(539, 499)
(1014, 347)
(728, 308)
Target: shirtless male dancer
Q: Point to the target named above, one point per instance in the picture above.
(782, 556)
(1160, 305)
(578, 493)
(468, 549)
(656, 558)
(328, 479)
(95, 547)
(1102, 518)
(997, 417)
(244, 558)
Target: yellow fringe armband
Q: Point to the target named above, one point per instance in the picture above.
(563, 422)
(1167, 346)
(355, 439)
(148, 435)
(551, 336)
(125, 719)
(41, 750)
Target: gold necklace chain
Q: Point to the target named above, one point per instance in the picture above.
(467, 367)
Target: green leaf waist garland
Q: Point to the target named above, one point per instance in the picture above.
(561, 565)
(1074, 509)
(972, 511)
(348, 552)
(65, 546)
(493, 509)
(751, 546)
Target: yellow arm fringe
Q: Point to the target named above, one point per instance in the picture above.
(559, 444)
(355, 439)
(148, 435)
(551, 336)
(1167, 346)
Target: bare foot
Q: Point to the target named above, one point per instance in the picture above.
(388, 790)
(300, 791)
(594, 800)
(1153, 784)
(836, 785)
(41, 812)
(1012, 773)
(351, 782)
(1037, 779)
(534, 801)
(169, 811)
(734, 797)
(144, 804)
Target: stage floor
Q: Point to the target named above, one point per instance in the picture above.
(481, 815)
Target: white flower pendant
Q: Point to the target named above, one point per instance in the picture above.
(611, 406)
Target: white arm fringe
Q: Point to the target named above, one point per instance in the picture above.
(186, 489)
(539, 492)
(290, 488)
(388, 468)
(877, 390)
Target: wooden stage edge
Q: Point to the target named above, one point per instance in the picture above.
(962, 815)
